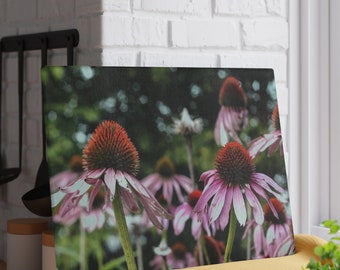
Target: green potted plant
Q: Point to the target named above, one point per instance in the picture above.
(328, 253)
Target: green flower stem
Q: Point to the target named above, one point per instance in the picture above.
(123, 230)
(231, 235)
(205, 255)
(188, 145)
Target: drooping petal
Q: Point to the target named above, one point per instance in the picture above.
(184, 182)
(110, 181)
(224, 217)
(261, 192)
(122, 181)
(178, 191)
(207, 194)
(167, 191)
(217, 203)
(135, 184)
(256, 205)
(93, 195)
(95, 174)
(129, 201)
(206, 175)
(196, 227)
(150, 212)
(258, 240)
(79, 187)
(182, 214)
(239, 206)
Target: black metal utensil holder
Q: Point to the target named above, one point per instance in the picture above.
(37, 200)
(68, 39)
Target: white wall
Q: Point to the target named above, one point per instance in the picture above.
(219, 33)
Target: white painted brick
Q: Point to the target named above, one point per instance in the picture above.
(18, 10)
(150, 32)
(10, 71)
(115, 31)
(33, 157)
(251, 8)
(10, 95)
(33, 103)
(32, 28)
(88, 57)
(48, 9)
(265, 34)
(83, 25)
(179, 6)
(198, 33)
(116, 5)
(116, 58)
(277, 7)
(32, 68)
(85, 7)
(276, 61)
(178, 59)
(2, 12)
(11, 133)
(33, 132)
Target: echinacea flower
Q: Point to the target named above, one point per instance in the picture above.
(232, 182)
(276, 237)
(184, 212)
(67, 177)
(233, 113)
(186, 125)
(111, 160)
(90, 219)
(229, 186)
(178, 258)
(168, 181)
(270, 141)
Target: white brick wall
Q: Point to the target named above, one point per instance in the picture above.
(228, 33)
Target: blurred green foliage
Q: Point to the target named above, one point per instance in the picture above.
(145, 101)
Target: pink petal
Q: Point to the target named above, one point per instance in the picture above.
(129, 201)
(93, 195)
(256, 205)
(239, 206)
(167, 190)
(182, 214)
(207, 193)
(178, 191)
(217, 203)
(110, 181)
(224, 217)
(135, 184)
(206, 175)
(185, 182)
(196, 227)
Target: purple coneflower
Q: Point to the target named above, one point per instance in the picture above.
(188, 127)
(166, 179)
(230, 185)
(232, 116)
(184, 212)
(178, 258)
(67, 177)
(111, 160)
(90, 219)
(272, 140)
(277, 239)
